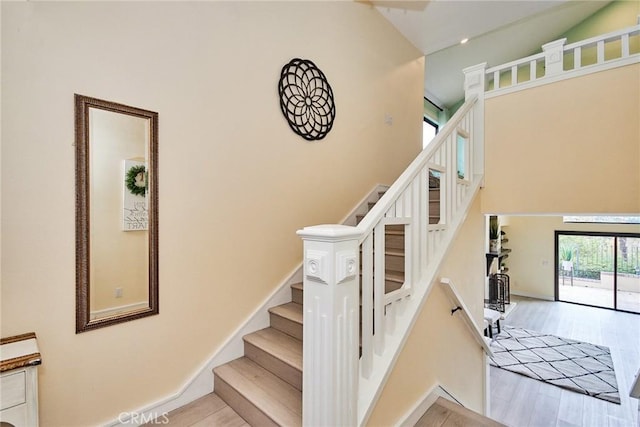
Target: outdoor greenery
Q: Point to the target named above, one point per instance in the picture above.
(594, 254)
(566, 253)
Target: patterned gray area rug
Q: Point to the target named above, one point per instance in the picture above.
(574, 365)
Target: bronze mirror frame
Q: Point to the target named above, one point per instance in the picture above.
(82, 149)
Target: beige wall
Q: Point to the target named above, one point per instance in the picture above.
(566, 147)
(531, 262)
(440, 348)
(235, 182)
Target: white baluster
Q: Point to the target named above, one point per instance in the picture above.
(331, 322)
(366, 362)
(600, 50)
(378, 287)
(625, 45)
(577, 58)
(419, 217)
(424, 221)
(533, 72)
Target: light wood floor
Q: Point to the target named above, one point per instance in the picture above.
(207, 411)
(519, 401)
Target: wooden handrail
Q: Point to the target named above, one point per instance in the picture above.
(461, 307)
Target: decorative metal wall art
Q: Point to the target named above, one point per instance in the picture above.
(306, 99)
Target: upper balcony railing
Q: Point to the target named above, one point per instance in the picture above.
(558, 61)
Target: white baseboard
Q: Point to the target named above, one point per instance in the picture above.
(531, 295)
(201, 383)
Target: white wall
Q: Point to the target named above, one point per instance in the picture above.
(234, 182)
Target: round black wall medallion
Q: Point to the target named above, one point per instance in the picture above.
(306, 99)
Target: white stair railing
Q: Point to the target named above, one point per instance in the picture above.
(339, 387)
(559, 61)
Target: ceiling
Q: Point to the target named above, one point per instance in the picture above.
(498, 32)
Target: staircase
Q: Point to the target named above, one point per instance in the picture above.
(353, 335)
(265, 385)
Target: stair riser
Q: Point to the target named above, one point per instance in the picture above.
(394, 263)
(241, 405)
(297, 295)
(394, 241)
(286, 372)
(285, 325)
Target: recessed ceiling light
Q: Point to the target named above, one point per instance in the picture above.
(463, 41)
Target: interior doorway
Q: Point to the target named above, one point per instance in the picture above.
(598, 269)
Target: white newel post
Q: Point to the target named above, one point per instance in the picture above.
(474, 85)
(331, 319)
(553, 57)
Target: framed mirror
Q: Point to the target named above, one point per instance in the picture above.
(116, 213)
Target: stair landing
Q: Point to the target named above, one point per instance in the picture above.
(446, 413)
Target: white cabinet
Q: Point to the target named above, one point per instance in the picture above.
(19, 380)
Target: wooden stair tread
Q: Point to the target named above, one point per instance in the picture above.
(290, 310)
(280, 401)
(278, 344)
(394, 252)
(297, 286)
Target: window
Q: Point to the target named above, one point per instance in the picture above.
(604, 219)
(429, 131)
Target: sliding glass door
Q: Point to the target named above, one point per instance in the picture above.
(598, 269)
(628, 274)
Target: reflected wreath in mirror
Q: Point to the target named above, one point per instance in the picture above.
(136, 180)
